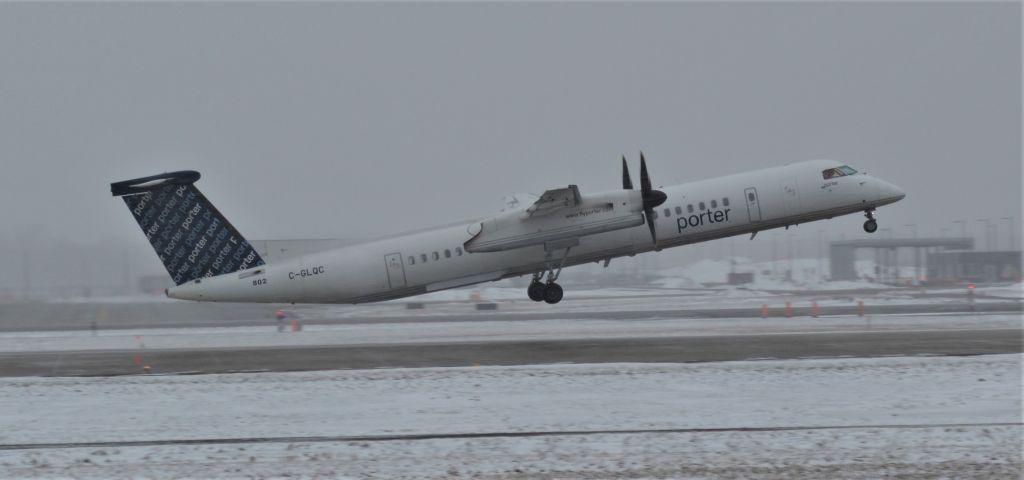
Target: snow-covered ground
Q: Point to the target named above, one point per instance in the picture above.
(442, 330)
(865, 393)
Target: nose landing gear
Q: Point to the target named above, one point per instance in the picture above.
(870, 225)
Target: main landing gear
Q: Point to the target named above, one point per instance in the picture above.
(547, 291)
(870, 225)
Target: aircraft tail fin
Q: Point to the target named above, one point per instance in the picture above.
(191, 237)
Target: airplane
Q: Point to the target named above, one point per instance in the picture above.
(210, 261)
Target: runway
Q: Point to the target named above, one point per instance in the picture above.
(25, 317)
(710, 348)
(648, 326)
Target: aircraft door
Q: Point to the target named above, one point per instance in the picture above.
(396, 270)
(753, 208)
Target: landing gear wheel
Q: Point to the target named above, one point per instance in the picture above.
(553, 293)
(536, 291)
(870, 226)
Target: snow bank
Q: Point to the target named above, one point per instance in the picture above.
(528, 398)
(864, 392)
(869, 453)
(784, 393)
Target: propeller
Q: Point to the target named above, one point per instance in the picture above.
(651, 198)
(627, 184)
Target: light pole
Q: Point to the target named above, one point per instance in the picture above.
(913, 229)
(1013, 234)
(886, 255)
(789, 257)
(821, 275)
(26, 274)
(732, 255)
(775, 256)
(988, 233)
(963, 227)
(917, 252)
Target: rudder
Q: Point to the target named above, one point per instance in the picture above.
(191, 237)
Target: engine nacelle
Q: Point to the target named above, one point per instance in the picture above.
(595, 213)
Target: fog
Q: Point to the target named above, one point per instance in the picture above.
(357, 120)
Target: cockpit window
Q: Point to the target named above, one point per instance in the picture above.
(837, 172)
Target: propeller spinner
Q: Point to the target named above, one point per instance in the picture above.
(651, 198)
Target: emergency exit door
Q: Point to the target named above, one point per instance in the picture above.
(753, 208)
(395, 269)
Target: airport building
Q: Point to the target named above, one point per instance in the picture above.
(935, 260)
(970, 266)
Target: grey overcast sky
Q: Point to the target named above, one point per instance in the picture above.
(355, 119)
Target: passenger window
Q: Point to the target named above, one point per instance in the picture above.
(412, 260)
(437, 256)
(458, 251)
(423, 257)
(689, 208)
(679, 211)
(701, 205)
(750, 196)
(668, 213)
(714, 204)
(725, 201)
(447, 253)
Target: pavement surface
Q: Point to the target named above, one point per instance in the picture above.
(636, 345)
(29, 316)
(656, 350)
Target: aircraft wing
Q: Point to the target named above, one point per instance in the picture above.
(553, 200)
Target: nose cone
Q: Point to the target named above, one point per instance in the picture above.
(889, 193)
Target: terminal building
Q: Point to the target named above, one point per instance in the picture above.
(935, 260)
(970, 266)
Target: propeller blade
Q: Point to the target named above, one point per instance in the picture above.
(651, 198)
(627, 183)
(645, 180)
(649, 214)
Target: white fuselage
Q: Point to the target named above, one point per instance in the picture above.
(434, 260)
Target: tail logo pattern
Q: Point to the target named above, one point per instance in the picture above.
(192, 238)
